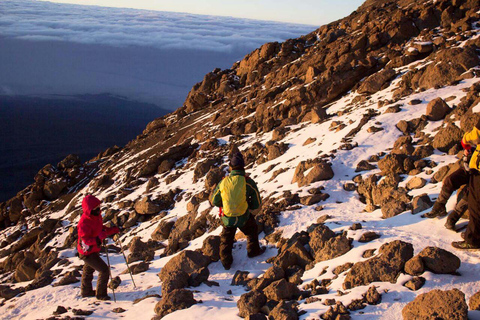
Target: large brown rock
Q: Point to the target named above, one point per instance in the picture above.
(447, 137)
(384, 267)
(437, 304)
(251, 303)
(281, 290)
(211, 248)
(52, 189)
(391, 163)
(140, 251)
(308, 172)
(439, 260)
(26, 269)
(376, 81)
(474, 302)
(294, 255)
(202, 168)
(437, 109)
(162, 232)
(146, 206)
(187, 261)
(175, 300)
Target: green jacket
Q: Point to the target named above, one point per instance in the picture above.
(253, 195)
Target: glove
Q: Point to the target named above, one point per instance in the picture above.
(99, 241)
(466, 146)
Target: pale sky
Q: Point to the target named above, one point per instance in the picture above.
(314, 12)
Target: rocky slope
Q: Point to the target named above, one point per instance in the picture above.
(348, 132)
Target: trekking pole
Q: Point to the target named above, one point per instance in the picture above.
(110, 270)
(125, 258)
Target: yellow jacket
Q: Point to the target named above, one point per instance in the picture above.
(473, 138)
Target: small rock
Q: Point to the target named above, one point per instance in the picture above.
(372, 296)
(119, 310)
(114, 283)
(60, 310)
(356, 226)
(415, 283)
(439, 260)
(421, 203)
(80, 312)
(415, 266)
(414, 102)
(364, 165)
(251, 303)
(368, 253)
(368, 236)
(416, 183)
(437, 109)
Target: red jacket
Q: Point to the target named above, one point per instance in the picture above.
(91, 227)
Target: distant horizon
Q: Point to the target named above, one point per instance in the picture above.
(306, 12)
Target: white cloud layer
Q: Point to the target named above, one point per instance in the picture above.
(46, 21)
(150, 56)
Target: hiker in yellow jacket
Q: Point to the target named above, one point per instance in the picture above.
(237, 194)
(472, 235)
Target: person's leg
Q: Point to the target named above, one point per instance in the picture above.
(87, 277)
(472, 234)
(97, 263)
(250, 229)
(451, 183)
(227, 237)
(457, 213)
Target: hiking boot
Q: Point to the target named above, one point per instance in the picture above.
(87, 294)
(256, 253)
(463, 245)
(450, 224)
(438, 210)
(104, 298)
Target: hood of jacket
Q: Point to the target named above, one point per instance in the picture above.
(89, 203)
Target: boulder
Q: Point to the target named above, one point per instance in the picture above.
(294, 255)
(437, 109)
(162, 232)
(211, 248)
(364, 165)
(176, 279)
(384, 267)
(416, 183)
(372, 296)
(251, 303)
(213, 177)
(188, 261)
(281, 290)
(391, 163)
(368, 236)
(175, 300)
(439, 260)
(202, 168)
(7, 293)
(318, 114)
(308, 172)
(437, 304)
(140, 251)
(415, 266)
(393, 207)
(284, 311)
(53, 188)
(447, 137)
(26, 269)
(146, 206)
(474, 302)
(421, 203)
(376, 81)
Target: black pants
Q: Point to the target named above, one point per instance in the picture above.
(93, 263)
(227, 238)
(453, 182)
(472, 235)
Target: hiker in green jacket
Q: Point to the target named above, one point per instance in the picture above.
(237, 194)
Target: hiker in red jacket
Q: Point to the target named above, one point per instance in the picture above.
(91, 233)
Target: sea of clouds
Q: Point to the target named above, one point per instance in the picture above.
(149, 56)
(38, 20)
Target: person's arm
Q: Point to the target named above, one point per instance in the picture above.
(471, 138)
(216, 197)
(253, 195)
(106, 232)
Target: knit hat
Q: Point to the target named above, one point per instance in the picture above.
(236, 160)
